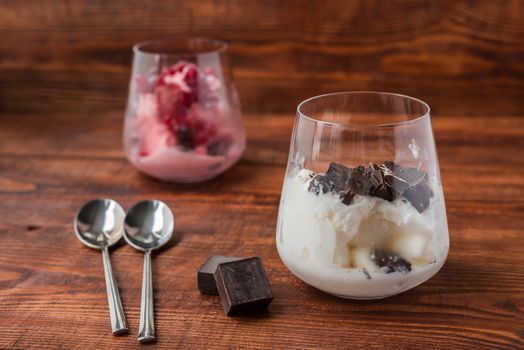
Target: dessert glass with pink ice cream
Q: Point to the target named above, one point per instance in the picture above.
(183, 120)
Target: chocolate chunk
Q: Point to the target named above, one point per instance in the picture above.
(335, 180)
(218, 147)
(387, 181)
(339, 174)
(184, 137)
(389, 164)
(321, 184)
(380, 188)
(384, 192)
(205, 278)
(243, 285)
(396, 185)
(392, 262)
(347, 198)
(419, 196)
(412, 176)
(359, 182)
(375, 176)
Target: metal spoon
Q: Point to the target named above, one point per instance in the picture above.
(99, 225)
(148, 226)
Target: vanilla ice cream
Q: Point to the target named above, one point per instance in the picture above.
(368, 248)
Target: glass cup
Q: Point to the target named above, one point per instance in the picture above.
(183, 120)
(362, 212)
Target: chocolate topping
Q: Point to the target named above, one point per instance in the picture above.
(321, 184)
(340, 175)
(387, 181)
(205, 276)
(419, 196)
(185, 138)
(392, 262)
(218, 147)
(360, 183)
(335, 180)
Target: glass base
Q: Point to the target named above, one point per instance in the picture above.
(361, 298)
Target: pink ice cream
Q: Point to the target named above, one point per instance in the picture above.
(184, 129)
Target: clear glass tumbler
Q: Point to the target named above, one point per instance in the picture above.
(362, 212)
(183, 120)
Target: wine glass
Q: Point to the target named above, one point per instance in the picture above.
(362, 212)
(183, 120)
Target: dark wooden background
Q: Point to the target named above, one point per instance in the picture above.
(463, 57)
(64, 68)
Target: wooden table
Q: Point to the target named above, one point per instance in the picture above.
(52, 291)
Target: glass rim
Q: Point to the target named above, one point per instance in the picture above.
(416, 119)
(219, 46)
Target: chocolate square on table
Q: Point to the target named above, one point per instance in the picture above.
(205, 277)
(243, 285)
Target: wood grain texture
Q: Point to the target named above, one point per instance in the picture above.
(52, 292)
(64, 69)
(463, 57)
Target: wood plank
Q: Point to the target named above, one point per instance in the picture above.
(462, 57)
(52, 292)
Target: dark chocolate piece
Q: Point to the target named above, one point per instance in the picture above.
(205, 278)
(391, 261)
(359, 182)
(419, 196)
(391, 165)
(387, 181)
(340, 175)
(321, 184)
(375, 176)
(347, 198)
(218, 147)
(243, 285)
(412, 176)
(396, 185)
(335, 180)
(380, 188)
(403, 178)
(185, 138)
(384, 192)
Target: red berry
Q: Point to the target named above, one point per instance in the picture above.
(178, 67)
(191, 77)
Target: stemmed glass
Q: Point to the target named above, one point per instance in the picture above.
(183, 120)
(362, 211)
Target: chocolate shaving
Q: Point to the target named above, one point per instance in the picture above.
(359, 183)
(387, 181)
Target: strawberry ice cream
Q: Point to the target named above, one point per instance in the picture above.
(184, 125)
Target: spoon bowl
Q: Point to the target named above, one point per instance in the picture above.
(149, 225)
(99, 225)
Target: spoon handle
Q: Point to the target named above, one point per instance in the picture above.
(116, 311)
(147, 315)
